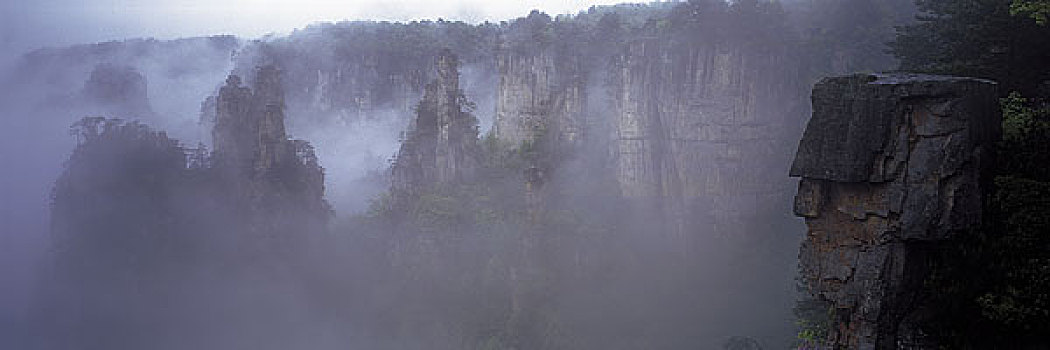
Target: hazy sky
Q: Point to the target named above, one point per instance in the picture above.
(24, 24)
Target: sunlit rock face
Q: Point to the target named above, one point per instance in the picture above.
(441, 147)
(891, 167)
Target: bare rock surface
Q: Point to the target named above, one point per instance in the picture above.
(891, 166)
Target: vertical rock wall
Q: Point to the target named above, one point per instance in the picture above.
(538, 95)
(699, 129)
(694, 133)
(891, 167)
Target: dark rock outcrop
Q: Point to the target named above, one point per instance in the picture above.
(891, 167)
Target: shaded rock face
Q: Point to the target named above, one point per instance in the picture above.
(891, 165)
(441, 147)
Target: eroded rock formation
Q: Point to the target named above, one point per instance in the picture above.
(441, 147)
(273, 173)
(891, 167)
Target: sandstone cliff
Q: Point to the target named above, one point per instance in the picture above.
(891, 167)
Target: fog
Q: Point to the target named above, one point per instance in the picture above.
(565, 234)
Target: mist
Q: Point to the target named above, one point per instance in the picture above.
(409, 175)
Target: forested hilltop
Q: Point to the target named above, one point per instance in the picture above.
(613, 179)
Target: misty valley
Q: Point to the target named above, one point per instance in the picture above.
(699, 174)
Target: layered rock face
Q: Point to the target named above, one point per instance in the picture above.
(441, 147)
(891, 167)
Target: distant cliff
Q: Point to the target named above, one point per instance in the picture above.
(607, 135)
(691, 127)
(343, 72)
(159, 82)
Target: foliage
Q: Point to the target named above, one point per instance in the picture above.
(845, 36)
(813, 316)
(530, 35)
(1026, 138)
(1036, 9)
(989, 290)
(979, 38)
(1020, 299)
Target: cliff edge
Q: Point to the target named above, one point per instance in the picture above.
(891, 166)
